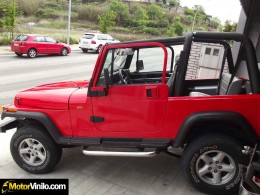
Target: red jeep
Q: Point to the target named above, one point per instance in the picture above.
(139, 98)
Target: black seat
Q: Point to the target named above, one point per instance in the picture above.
(170, 84)
(225, 86)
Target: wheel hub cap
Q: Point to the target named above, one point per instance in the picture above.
(32, 152)
(215, 167)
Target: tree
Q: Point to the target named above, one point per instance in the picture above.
(229, 27)
(8, 19)
(121, 10)
(176, 28)
(155, 12)
(174, 3)
(106, 21)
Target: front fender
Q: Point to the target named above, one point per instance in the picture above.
(38, 116)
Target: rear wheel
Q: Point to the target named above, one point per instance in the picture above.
(99, 48)
(18, 54)
(34, 151)
(213, 164)
(32, 53)
(64, 51)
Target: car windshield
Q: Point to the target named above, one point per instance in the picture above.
(88, 36)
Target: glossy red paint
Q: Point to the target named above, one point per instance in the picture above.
(23, 45)
(128, 110)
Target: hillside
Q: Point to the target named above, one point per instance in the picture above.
(125, 20)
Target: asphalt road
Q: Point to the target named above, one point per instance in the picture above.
(19, 73)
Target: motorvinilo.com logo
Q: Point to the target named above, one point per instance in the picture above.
(31, 186)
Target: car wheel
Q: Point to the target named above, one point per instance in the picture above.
(18, 54)
(64, 51)
(99, 48)
(32, 53)
(34, 151)
(85, 50)
(213, 164)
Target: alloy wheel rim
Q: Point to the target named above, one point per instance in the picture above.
(32, 152)
(64, 52)
(32, 53)
(215, 167)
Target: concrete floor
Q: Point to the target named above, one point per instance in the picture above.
(159, 175)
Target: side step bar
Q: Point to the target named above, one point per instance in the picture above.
(120, 154)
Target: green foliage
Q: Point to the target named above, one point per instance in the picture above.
(121, 11)
(30, 7)
(229, 27)
(176, 28)
(8, 20)
(106, 21)
(155, 12)
(5, 39)
(155, 31)
(89, 12)
(187, 20)
(63, 39)
(158, 24)
(189, 11)
(214, 23)
(174, 3)
(50, 13)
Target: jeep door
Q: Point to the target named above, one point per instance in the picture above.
(130, 109)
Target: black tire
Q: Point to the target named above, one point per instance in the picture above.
(64, 51)
(32, 53)
(18, 54)
(99, 48)
(85, 50)
(34, 151)
(216, 155)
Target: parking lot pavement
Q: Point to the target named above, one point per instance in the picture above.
(107, 175)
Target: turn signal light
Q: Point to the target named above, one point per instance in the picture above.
(8, 109)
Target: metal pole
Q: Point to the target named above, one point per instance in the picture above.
(69, 14)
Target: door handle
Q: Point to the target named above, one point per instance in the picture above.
(152, 92)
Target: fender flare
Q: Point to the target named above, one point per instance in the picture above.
(219, 116)
(43, 119)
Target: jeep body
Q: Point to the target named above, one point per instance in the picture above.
(139, 98)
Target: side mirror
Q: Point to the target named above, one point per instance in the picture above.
(107, 78)
(139, 65)
(57, 41)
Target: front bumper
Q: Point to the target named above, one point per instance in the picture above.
(7, 124)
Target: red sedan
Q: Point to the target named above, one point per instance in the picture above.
(32, 45)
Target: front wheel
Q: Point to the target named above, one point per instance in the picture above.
(34, 151)
(213, 164)
(64, 51)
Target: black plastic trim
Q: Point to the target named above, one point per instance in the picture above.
(97, 93)
(219, 116)
(8, 125)
(43, 119)
(96, 119)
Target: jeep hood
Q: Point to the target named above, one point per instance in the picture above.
(49, 96)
